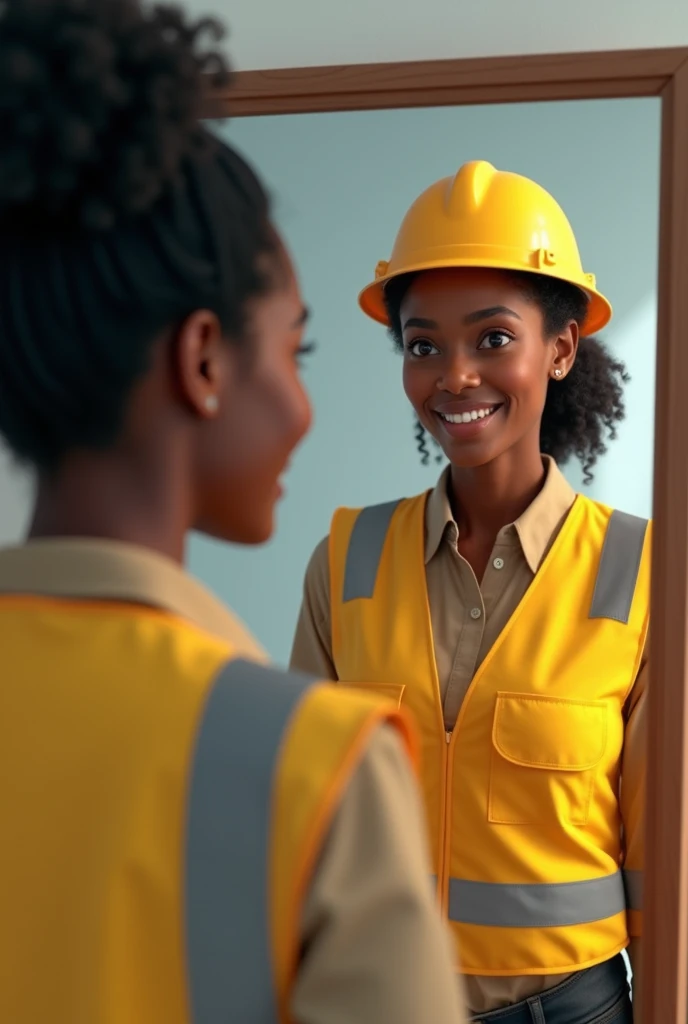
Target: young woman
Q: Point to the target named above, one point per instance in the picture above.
(509, 614)
(188, 835)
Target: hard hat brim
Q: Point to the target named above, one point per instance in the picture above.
(371, 299)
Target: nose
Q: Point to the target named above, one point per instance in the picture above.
(459, 373)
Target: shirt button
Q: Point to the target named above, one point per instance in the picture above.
(475, 613)
(498, 563)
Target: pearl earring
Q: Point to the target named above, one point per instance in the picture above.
(212, 403)
(558, 373)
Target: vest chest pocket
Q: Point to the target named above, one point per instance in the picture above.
(545, 756)
(391, 691)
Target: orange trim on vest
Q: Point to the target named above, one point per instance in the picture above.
(320, 751)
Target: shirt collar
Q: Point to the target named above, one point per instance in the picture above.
(109, 570)
(534, 530)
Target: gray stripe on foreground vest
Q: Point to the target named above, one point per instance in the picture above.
(617, 574)
(536, 906)
(227, 843)
(365, 550)
(633, 881)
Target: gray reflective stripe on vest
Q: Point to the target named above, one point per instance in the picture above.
(536, 906)
(365, 550)
(617, 573)
(618, 570)
(227, 843)
(633, 881)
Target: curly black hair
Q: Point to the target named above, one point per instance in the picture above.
(120, 214)
(99, 105)
(581, 411)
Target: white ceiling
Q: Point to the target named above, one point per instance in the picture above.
(292, 33)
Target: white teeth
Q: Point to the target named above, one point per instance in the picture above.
(467, 417)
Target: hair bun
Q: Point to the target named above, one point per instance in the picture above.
(99, 106)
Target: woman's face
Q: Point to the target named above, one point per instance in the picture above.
(263, 413)
(476, 364)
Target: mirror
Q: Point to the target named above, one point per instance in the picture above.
(342, 183)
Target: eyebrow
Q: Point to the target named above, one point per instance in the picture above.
(419, 321)
(302, 319)
(485, 314)
(472, 318)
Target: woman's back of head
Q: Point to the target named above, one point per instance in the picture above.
(140, 280)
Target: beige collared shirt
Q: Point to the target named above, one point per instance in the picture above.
(374, 950)
(461, 641)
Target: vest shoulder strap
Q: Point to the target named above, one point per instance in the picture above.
(365, 549)
(227, 853)
(617, 574)
(619, 566)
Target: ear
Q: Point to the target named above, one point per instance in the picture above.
(201, 362)
(564, 351)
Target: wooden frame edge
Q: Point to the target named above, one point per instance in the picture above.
(617, 74)
(665, 936)
(600, 75)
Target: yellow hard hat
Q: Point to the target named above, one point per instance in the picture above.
(483, 217)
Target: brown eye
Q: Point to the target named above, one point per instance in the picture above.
(495, 339)
(421, 347)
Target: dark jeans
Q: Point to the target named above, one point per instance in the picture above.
(599, 995)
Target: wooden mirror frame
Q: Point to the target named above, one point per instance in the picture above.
(584, 76)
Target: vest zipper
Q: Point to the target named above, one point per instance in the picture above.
(443, 880)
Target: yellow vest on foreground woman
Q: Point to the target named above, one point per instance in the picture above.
(522, 797)
(181, 821)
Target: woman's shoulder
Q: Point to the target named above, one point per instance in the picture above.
(318, 569)
(317, 581)
(606, 511)
(621, 538)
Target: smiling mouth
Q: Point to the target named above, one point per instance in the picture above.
(473, 416)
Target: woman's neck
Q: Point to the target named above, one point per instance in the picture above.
(110, 500)
(486, 498)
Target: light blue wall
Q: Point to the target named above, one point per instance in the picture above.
(341, 183)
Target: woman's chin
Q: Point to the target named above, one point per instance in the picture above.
(246, 526)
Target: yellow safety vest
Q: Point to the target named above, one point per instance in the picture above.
(522, 797)
(163, 807)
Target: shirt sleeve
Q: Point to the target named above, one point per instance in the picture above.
(375, 948)
(633, 782)
(312, 649)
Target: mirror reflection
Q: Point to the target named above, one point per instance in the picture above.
(512, 393)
